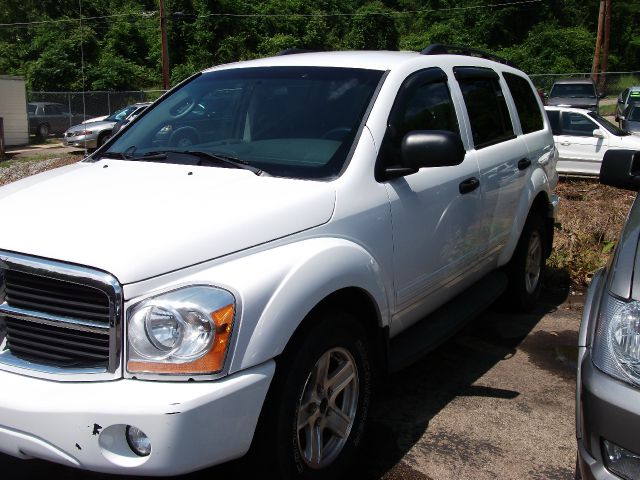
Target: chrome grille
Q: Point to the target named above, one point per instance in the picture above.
(59, 321)
(58, 346)
(56, 297)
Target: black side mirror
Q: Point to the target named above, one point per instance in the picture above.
(431, 148)
(621, 169)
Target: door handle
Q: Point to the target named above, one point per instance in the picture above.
(469, 185)
(524, 164)
(565, 144)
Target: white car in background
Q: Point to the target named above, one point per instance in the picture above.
(583, 137)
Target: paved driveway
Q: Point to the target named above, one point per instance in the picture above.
(495, 402)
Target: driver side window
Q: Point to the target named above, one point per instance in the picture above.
(422, 105)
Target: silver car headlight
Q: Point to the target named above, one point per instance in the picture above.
(186, 331)
(616, 346)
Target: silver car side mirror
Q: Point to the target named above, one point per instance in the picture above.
(598, 133)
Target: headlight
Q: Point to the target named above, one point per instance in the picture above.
(186, 331)
(616, 346)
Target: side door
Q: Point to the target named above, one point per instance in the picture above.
(502, 156)
(580, 151)
(435, 217)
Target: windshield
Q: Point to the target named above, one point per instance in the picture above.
(608, 125)
(287, 121)
(121, 114)
(573, 90)
(634, 115)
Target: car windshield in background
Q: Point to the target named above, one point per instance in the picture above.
(634, 115)
(608, 125)
(573, 90)
(120, 114)
(287, 121)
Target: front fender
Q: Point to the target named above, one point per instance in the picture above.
(315, 269)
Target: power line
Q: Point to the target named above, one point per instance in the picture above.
(148, 14)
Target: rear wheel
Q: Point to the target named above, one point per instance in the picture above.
(318, 404)
(526, 268)
(102, 138)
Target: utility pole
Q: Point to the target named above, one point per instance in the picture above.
(165, 53)
(595, 69)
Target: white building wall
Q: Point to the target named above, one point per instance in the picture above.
(13, 110)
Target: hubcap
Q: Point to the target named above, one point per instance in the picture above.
(533, 266)
(327, 408)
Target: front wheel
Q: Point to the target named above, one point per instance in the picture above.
(526, 267)
(319, 401)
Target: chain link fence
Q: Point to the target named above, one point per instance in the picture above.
(94, 104)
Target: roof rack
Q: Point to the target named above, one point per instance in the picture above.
(293, 51)
(439, 49)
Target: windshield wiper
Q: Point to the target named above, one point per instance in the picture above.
(224, 159)
(148, 157)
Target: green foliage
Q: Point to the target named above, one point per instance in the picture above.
(123, 52)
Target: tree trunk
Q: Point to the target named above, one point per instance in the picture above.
(605, 48)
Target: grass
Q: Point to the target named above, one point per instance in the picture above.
(590, 218)
(607, 109)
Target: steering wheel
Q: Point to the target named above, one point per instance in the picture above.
(184, 137)
(337, 133)
(183, 107)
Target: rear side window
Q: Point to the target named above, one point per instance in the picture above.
(487, 108)
(526, 103)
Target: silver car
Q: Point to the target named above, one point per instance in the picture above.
(608, 386)
(628, 97)
(93, 134)
(630, 119)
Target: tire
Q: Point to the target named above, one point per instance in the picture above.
(102, 138)
(298, 434)
(42, 131)
(526, 268)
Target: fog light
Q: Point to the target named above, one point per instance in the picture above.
(138, 441)
(622, 462)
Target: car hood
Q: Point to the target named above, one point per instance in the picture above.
(629, 142)
(572, 102)
(101, 125)
(95, 119)
(137, 220)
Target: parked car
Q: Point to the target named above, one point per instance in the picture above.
(92, 135)
(50, 118)
(349, 214)
(575, 92)
(583, 137)
(628, 97)
(608, 385)
(630, 119)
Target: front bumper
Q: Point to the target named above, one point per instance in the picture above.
(80, 141)
(191, 425)
(608, 409)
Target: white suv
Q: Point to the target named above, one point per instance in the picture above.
(239, 262)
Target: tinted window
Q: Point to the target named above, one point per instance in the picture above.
(31, 109)
(488, 114)
(634, 115)
(288, 121)
(52, 110)
(554, 120)
(577, 125)
(526, 103)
